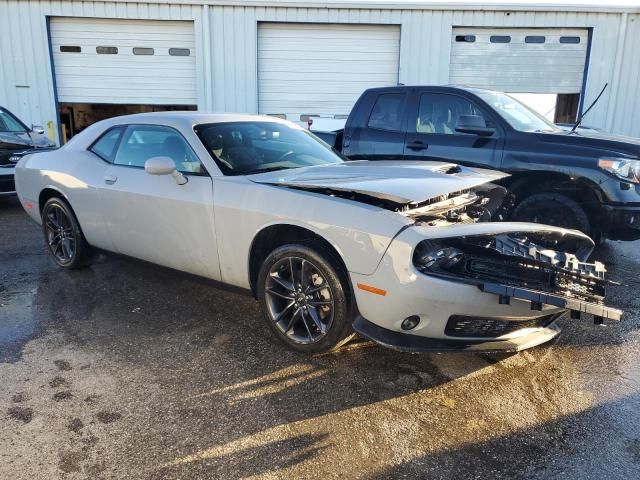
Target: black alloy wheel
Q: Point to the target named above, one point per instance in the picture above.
(65, 240)
(300, 302)
(304, 298)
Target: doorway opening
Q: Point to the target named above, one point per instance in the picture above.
(75, 117)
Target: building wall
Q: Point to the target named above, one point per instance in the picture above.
(26, 76)
(226, 53)
(624, 114)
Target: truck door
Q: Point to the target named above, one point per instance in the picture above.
(378, 131)
(431, 131)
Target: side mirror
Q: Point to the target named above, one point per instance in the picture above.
(164, 166)
(37, 129)
(475, 125)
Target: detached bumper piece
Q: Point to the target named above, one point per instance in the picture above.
(537, 299)
(526, 267)
(406, 342)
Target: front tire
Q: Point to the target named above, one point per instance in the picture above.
(305, 298)
(553, 209)
(63, 235)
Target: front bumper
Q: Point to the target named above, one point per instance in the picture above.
(401, 291)
(622, 222)
(7, 181)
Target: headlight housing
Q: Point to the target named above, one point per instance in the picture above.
(626, 169)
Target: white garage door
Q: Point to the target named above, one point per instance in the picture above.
(519, 60)
(124, 61)
(321, 69)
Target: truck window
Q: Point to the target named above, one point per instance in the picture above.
(438, 113)
(387, 112)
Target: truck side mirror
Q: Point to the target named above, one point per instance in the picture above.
(37, 129)
(475, 125)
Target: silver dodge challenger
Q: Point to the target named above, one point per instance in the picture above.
(403, 253)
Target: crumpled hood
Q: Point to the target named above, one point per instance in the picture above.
(403, 182)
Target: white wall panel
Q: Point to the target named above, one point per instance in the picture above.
(626, 108)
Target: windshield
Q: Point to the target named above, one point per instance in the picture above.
(8, 123)
(517, 114)
(244, 148)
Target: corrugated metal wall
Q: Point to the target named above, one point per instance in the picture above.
(26, 79)
(227, 36)
(625, 109)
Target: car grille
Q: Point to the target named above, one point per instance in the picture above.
(7, 184)
(465, 326)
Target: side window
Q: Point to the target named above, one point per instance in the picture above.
(387, 112)
(438, 113)
(142, 142)
(106, 145)
(8, 123)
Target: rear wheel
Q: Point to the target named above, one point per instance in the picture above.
(553, 209)
(65, 240)
(305, 298)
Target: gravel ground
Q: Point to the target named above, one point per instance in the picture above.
(127, 371)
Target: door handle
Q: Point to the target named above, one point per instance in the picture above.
(417, 145)
(110, 179)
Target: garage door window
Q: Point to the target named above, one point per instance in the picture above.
(142, 51)
(387, 112)
(107, 50)
(439, 113)
(179, 52)
(142, 142)
(500, 39)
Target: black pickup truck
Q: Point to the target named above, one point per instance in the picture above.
(586, 181)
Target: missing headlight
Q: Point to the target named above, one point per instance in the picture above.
(512, 260)
(431, 256)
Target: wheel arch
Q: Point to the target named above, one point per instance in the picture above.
(273, 236)
(50, 192)
(525, 184)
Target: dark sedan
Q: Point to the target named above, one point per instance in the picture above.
(15, 140)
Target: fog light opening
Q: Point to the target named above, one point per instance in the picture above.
(410, 323)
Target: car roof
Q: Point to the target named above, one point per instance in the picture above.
(187, 118)
(179, 120)
(440, 88)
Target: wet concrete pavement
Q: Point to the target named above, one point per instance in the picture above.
(124, 370)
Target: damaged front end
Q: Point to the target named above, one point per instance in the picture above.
(478, 204)
(529, 265)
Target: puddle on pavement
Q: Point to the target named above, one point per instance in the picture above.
(17, 322)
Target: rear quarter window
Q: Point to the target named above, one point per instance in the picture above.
(386, 113)
(105, 146)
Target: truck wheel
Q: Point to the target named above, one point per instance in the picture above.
(63, 235)
(305, 298)
(553, 209)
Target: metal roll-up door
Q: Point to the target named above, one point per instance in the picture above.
(321, 69)
(519, 60)
(124, 61)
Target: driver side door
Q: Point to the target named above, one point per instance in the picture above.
(151, 217)
(432, 135)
